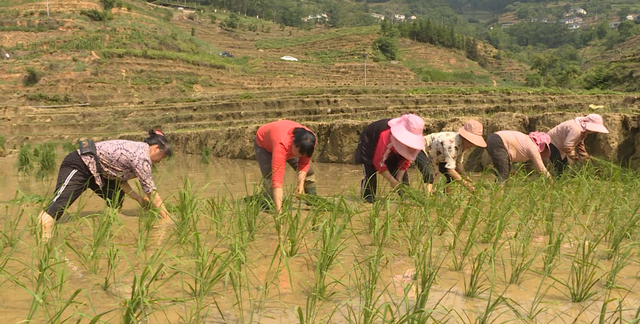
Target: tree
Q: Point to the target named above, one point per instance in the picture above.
(388, 46)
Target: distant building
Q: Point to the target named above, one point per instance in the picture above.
(614, 24)
(574, 26)
(629, 17)
(377, 16)
(571, 20)
(398, 17)
(412, 17)
(316, 17)
(575, 11)
(507, 25)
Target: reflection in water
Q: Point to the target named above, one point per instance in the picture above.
(278, 286)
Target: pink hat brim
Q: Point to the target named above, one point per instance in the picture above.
(402, 135)
(598, 128)
(406, 152)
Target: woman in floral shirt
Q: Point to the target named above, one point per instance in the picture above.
(107, 172)
(445, 151)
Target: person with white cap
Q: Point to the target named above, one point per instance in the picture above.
(445, 150)
(387, 147)
(506, 147)
(567, 140)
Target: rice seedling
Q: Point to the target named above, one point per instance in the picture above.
(619, 260)
(210, 267)
(46, 284)
(330, 244)
(427, 265)
(296, 230)
(46, 160)
(144, 289)
(205, 156)
(380, 226)
(68, 147)
(471, 214)
(146, 223)
(367, 277)
(187, 213)
(113, 259)
(92, 249)
(477, 284)
(583, 275)
(11, 234)
(619, 225)
(215, 211)
(552, 250)
(25, 159)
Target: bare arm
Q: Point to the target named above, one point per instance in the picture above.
(157, 202)
(126, 188)
(456, 176)
(302, 175)
(278, 193)
(392, 181)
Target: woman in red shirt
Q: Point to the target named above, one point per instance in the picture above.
(285, 141)
(387, 147)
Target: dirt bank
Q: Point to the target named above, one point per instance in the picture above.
(337, 140)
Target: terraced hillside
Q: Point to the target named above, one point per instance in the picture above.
(150, 54)
(228, 123)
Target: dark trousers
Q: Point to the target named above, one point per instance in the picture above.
(558, 162)
(74, 178)
(499, 156)
(426, 168)
(264, 161)
(369, 184)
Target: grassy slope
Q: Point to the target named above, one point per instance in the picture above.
(139, 56)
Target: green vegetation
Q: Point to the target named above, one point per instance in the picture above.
(205, 156)
(276, 43)
(551, 236)
(25, 160)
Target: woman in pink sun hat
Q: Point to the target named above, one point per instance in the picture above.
(387, 147)
(567, 140)
(444, 151)
(506, 147)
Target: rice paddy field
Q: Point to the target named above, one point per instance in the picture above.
(530, 251)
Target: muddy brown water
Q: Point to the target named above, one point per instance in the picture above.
(270, 296)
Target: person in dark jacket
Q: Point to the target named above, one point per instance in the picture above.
(387, 147)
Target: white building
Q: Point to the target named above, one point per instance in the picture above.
(377, 16)
(398, 17)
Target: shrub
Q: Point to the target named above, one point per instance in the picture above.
(3, 142)
(388, 46)
(193, 31)
(96, 15)
(213, 18)
(80, 66)
(108, 4)
(168, 15)
(32, 77)
(232, 21)
(533, 80)
(129, 7)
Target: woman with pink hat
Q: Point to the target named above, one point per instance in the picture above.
(387, 147)
(445, 150)
(567, 140)
(506, 147)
